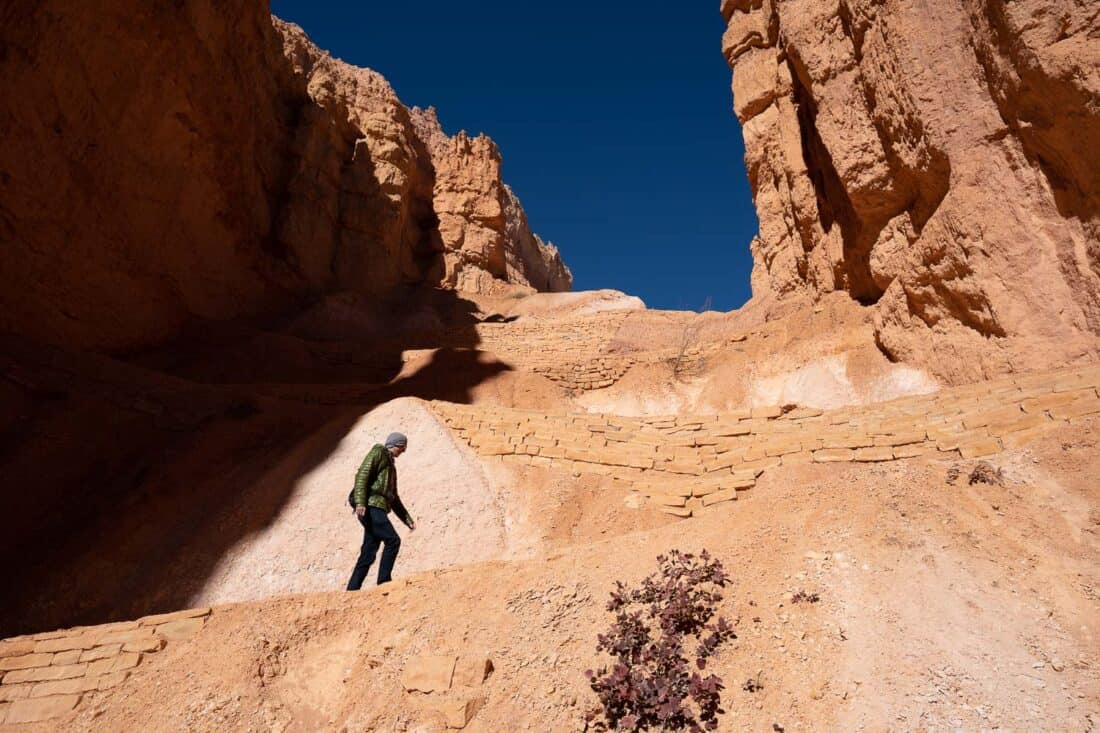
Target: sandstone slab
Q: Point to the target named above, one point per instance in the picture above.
(429, 673)
(980, 447)
(43, 674)
(70, 657)
(873, 454)
(25, 661)
(101, 652)
(471, 671)
(144, 645)
(827, 455)
(458, 712)
(9, 692)
(162, 618)
(180, 629)
(16, 648)
(42, 708)
(720, 496)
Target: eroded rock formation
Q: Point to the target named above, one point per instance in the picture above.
(941, 161)
(230, 168)
(437, 202)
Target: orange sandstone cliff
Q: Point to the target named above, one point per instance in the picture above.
(204, 161)
(939, 161)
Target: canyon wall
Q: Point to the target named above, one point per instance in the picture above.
(939, 161)
(162, 164)
(437, 202)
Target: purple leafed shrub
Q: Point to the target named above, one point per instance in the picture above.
(658, 627)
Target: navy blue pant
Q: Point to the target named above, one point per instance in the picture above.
(376, 530)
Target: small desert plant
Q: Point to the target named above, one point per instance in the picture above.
(986, 473)
(649, 684)
(688, 338)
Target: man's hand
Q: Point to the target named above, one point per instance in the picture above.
(360, 511)
(412, 526)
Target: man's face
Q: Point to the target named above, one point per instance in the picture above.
(396, 451)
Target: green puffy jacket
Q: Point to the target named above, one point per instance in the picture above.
(376, 484)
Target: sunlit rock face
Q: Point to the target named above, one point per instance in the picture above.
(206, 161)
(482, 226)
(939, 161)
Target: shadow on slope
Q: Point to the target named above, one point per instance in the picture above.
(110, 466)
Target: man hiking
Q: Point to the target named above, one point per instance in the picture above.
(375, 493)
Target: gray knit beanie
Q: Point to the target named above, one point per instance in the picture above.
(397, 440)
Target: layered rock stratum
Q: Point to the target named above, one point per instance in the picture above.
(940, 161)
(200, 161)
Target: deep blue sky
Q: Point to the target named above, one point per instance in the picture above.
(613, 120)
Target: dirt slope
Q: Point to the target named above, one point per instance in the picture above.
(943, 606)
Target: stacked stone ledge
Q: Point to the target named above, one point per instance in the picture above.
(574, 353)
(571, 353)
(685, 463)
(582, 376)
(46, 675)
